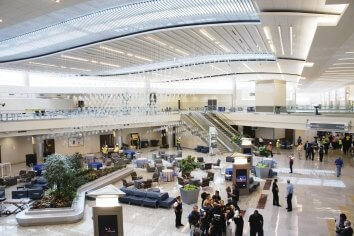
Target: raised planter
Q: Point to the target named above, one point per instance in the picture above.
(68, 215)
(189, 197)
(262, 172)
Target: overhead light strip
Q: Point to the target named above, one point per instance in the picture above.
(291, 40)
(74, 58)
(281, 39)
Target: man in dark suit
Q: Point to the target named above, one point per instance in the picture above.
(178, 211)
(256, 224)
(275, 191)
(348, 230)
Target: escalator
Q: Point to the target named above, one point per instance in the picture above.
(199, 125)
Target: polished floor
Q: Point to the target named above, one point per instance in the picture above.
(319, 197)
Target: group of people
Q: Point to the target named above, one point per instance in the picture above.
(214, 218)
(289, 194)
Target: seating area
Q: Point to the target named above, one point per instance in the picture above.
(202, 149)
(146, 198)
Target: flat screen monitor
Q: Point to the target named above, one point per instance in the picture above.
(241, 178)
(107, 225)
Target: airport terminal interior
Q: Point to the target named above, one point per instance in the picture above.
(175, 117)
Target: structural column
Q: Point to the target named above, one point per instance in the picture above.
(234, 93)
(270, 94)
(38, 148)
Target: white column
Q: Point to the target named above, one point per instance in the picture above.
(234, 93)
(269, 94)
(170, 137)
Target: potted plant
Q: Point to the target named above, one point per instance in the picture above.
(187, 165)
(263, 152)
(237, 139)
(262, 170)
(189, 194)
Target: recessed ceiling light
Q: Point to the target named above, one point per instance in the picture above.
(111, 49)
(109, 64)
(349, 52)
(0, 20)
(267, 32)
(341, 67)
(57, 1)
(281, 39)
(73, 58)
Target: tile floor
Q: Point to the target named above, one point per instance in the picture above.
(319, 197)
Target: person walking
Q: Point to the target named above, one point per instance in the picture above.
(291, 162)
(256, 224)
(321, 152)
(339, 164)
(178, 211)
(289, 195)
(300, 149)
(275, 191)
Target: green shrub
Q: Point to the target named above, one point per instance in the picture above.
(190, 187)
(188, 164)
(263, 151)
(76, 161)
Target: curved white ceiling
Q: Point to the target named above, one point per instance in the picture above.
(124, 20)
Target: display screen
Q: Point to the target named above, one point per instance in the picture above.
(241, 178)
(107, 225)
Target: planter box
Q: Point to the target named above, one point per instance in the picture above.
(189, 197)
(262, 172)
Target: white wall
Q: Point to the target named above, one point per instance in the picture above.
(22, 104)
(279, 133)
(91, 145)
(266, 133)
(14, 149)
(270, 93)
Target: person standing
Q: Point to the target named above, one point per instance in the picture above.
(339, 164)
(178, 143)
(307, 149)
(320, 153)
(260, 141)
(275, 191)
(270, 148)
(193, 219)
(289, 195)
(278, 146)
(256, 224)
(235, 195)
(178, 211)
(300, 149)
(340, 223)
(238, 219)
(299, 140)
(291, 162)
(348, 230)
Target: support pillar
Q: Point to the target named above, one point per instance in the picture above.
(270, 94)
(38, 147)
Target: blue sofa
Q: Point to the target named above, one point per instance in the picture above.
(146, 198)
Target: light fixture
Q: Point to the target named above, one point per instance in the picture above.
(308, 64)
(291, 40)
(272, 47)
(0, 20)
(206, 34)
(344, 59)
(109, 64)
(343, 63)
(130, 55)
(57, 1)
(267, 33)
(349, 52)
(143, 58)
(281, 39)
(226, 49)
(42, 64)
(111, 49)
(74, 68)
(341, 67)
(180, 51)
(341, 70)
(73, 58)
(155, 40)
